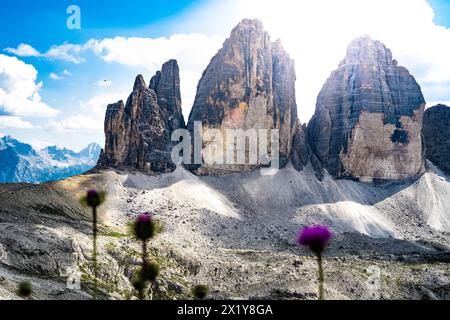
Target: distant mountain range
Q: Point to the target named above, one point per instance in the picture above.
(21, 163)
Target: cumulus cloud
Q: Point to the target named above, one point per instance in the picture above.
(24, 50)
(13, 122)
(19, 91)
(96, 106)
(65, 52)
(54, 76)
(192, 51)
(63, 75)
(91, 119)
(75, 124)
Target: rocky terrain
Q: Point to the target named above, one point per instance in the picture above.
(368, 118)
(436, 134)
(235, 233)
(20, 162)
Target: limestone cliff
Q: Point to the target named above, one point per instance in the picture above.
(138, 134)
(368, 117)
(249, 84)
(436, 133)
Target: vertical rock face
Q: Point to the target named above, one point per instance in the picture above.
(301, 151)
(368, 117)
(166, 84)
(138, 134)
(436, 134)
(249, 84)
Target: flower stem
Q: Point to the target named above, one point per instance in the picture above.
(144, 266)
(144, 253)
(321, 279)
(94, 251)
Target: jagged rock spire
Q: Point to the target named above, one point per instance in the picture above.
(139, 83)
(138, 134)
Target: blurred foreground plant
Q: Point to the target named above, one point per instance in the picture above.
(94, 199)
(316, 238)
(24, 290)
(200, 291)
(145, 227)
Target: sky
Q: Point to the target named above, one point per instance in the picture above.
(56, 81)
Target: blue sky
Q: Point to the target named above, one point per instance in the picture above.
(43, 22)
(442, 11)
(55, 83)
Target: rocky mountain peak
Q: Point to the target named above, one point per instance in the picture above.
(248, 28)
(166, 84)
(138, 134)
(249, 84)
(368, 117)
(91, 149)
(367, 51)
(139, 83)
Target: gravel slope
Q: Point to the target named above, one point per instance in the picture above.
(234, 233)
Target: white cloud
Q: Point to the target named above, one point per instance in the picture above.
(75, 124)
(24, 50)
(192, 51)
(65, 52)
(96, 106)
(92, 117)
(54, 76)
(14, 123)
(19, 91)
(63, 75)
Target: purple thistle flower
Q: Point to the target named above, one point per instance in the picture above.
(93, 198)
(144, 217)
(315, 237)
(144, 227)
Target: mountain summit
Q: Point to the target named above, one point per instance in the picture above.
(249, 84)
(138, 133)
(368, 117)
